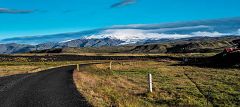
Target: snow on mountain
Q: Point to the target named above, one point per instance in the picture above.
(134, 35)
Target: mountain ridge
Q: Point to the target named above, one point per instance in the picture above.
(184, 45)
(21, 48)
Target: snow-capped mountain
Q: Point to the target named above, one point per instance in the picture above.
(78, 43)
(141, 32)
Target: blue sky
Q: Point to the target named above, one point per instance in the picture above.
(40, 17)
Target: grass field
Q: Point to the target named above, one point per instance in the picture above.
(126, 85)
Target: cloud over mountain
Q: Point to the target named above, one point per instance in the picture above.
(139, 32)
(135, 35)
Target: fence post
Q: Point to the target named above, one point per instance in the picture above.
(110, 65)
(78, 68)
(150, 83)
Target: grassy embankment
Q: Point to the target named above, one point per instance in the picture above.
(126, 84)
(23, 66)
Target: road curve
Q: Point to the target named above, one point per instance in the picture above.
(49, 88)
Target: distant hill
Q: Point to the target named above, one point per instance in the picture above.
(103, 49)
(15, 48)
(188, 45)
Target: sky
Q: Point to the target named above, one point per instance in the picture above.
(40, 17)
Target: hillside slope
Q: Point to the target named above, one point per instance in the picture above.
(188, 45)
(15, 48)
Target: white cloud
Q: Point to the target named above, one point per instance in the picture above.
(152, 27)
(66, 41)
(135, 35)
(209, 34)
(123, 3)
(238, 32)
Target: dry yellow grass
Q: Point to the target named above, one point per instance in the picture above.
(126, 85)
(22, 67)
(104, 91)
(11, 70)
